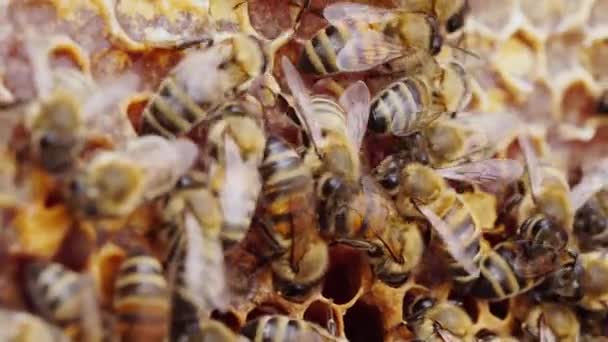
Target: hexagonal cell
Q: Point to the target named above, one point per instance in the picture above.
(345, 275)
(577, 103)
(562, 52)
(549, 15)
(500, 309)
(324, 315)
(596, 60)
(229, 318)
(468, 303)
(363, 323)
(537, 106)
(498, 17)
(598, 18)
(519, 62)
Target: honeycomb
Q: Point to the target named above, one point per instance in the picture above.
(543, 60)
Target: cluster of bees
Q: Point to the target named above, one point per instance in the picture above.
(288, 199)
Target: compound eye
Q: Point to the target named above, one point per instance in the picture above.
(390, 182)
(330, 186)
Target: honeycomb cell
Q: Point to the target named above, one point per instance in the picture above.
(363, 323)
(324, 315)
(548, 16)
(538, 105)
(345, 275)
(468, 303)
(229, 318)
(578, 103)
(500, 309)
(495, 17)
(561, 57)
(518, 64)
(596, 60)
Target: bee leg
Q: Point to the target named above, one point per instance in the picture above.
(371, 248)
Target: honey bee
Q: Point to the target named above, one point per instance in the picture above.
(279, 328)
(434, 320)
(64, 297)
(506, 270)
(449, 12)
(195, 259)
(187, 96)
(564, 284)
(72, 108)
(468, 137)
(552, 322)
(141, 299)
(336, 136)
(360, 37)
(215, 331)
(412, 103)
(238, 142)
(21, 326)
(289, 219)
(114, 183)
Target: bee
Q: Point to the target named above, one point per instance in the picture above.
(279, 328)
(506, 270)
(72, 108)
(564, 284)
(194, 218)
(360, 37)
(289, 219)
(141, 299)
(187, 96)
(552, 322)
(336, 136)
(215, 331)
(448, 12)
(594, 270)
(22, 326)
(64, 297)
(238, 142)
(114, 183)
(434, 320)
(468, 137)
(410, 104)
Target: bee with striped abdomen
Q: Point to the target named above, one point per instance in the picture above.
(278, 328)
(188, 96)
(289, 223)
(114, 183)
(64, 297)
(335, 130)
(360, 37)
(410, 104)
(141, 299)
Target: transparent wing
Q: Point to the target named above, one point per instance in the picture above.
(587, 187)
(348, 11)
(496, 173)
(204, 268)
(303, 102)
(89, 308)
(355, 101)
(445, 335)
(367, 50)
(241, 180)
(452, 244)
(109, 93)
(37, 50)
(532, 164)
(496, 129)
(186, 153)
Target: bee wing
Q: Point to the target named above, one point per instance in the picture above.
(367, 50)
(453, 245)
(355, 101)
(37, 51)
(445, 335)
(495, 173)
(532, 164)
(348, 11)
(204, 268)
(109, 93)
(587, 187)
(91, 317)
(545, 332)
(240, 181)
(186, 153)
(302, 99)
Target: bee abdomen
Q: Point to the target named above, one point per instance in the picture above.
(54, 290)
(397, 108)
(274, 328)
(171, 111)
(320, 52)
(141, 299)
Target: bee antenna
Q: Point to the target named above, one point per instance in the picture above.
(463, 50)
